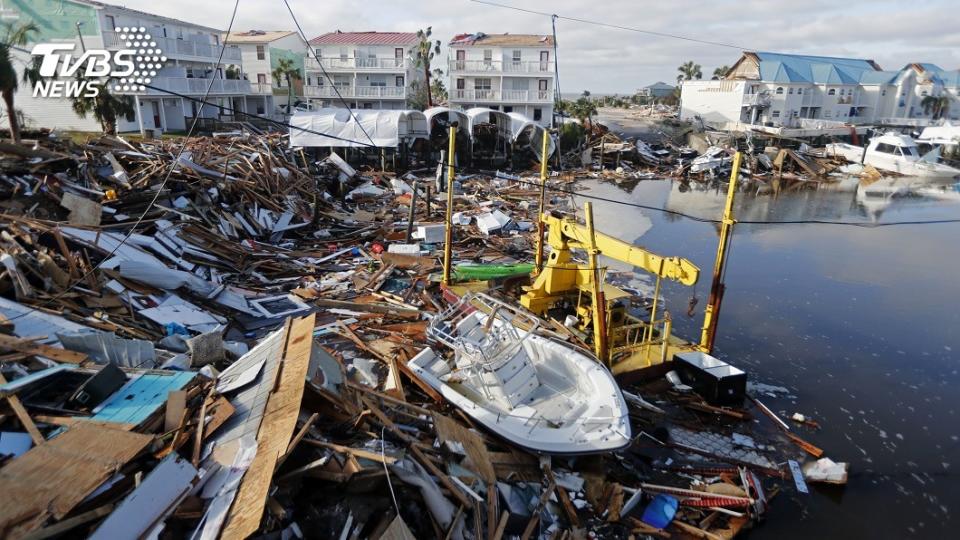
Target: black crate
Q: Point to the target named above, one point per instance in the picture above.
(716, 381)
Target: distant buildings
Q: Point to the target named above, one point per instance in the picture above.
(656, 90)
(790, 90)
(261, 51)
(371, 70)
(506, 72)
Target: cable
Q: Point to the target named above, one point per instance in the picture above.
(617, 26)
(153, 201)
(320, 64)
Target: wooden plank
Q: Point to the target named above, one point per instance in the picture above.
(23, 416)
(356, 452)
(51, 479)
(276, 429)
(397, 530)
(449, 429)
(63, 526)
(176, 404)
(421, 384)
(501, 525)
(39, 349)
(297, 438)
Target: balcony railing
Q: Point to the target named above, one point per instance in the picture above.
(261, 88)
(193, 86)
(507, 96)
(378, 92)
(758, 100)
(342, 63)
(174, 48)
(498, 66)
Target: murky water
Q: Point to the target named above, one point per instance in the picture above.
(861, 324)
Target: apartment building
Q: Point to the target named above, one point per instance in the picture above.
(261, 51)
(785, 90)
(506, 72)
(191, 53)
(370, 70)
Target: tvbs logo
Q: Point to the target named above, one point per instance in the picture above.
(129, 69)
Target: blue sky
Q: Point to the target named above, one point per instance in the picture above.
(605, 60)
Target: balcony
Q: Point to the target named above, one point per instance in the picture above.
(506, 96)
(179, 48)
(194, 86)
(261, 88)
(358, 64)
(756, 100)
(500, 67)
(368, 92)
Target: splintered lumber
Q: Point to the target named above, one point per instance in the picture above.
(39, 349)
(276, 429)
(23, 416)
(53, 478)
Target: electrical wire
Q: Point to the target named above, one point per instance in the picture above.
(610, 25)
(156, 196)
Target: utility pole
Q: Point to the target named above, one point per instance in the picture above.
(83, 46)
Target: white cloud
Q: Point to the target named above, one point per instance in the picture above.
(609, 60)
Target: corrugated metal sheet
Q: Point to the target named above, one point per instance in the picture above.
(365, 38)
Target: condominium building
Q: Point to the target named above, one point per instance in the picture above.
(369, 70)
(786, 90)
(191, 52)
(261, 52)
(507, 72)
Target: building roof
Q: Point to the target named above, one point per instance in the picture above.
(660, 85)
(102, 5)
(365, 38)
(257, 36)
(503, 40)
(795, 68)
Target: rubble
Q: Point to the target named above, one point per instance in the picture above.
(215, 343)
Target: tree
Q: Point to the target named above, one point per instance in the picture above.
(936, 106)
(426, 50)
(583, 109)
(233, 72)
(720, 72)
(105, 107)
(286, 71)
(689, 71)
(16, 36)
(438, 91)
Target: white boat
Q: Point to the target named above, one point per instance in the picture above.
(897, 153)
(535, 392)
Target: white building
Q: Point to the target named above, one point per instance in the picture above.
(507, 72)
(260, 52)
(191, 50)
(370, 70)
(788, 90)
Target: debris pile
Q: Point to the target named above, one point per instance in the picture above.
(210, 338)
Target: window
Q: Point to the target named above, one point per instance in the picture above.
(779, 90)
(481, 84)
(319, 53)
(461, 84)
(775, 114)
(487, 57)
(799, 91)
(508, 108)
(343, 54)
(828, 113)
(924, 93)
(111, 23)
(832, 92)
(516, 55)
(886, 148)
(261, 53)
(260, 109)
(790, 91)
(796, 114)
(262, 78)
(537, 114)
(399, 80)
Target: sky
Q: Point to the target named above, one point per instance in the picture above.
(607, 60)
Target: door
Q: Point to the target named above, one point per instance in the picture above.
(461, 60)
(544, 60)
(398, 56)
(461, 87)
(156, 113)
(542, 87)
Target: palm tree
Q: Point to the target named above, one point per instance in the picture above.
(720, 72)
(16, 36)
(286, 71)
(106, 107)
(426, 50)
(583, 109)
(689, 71)
(936, 106)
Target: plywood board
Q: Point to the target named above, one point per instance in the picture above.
(51, 479)
(276, 429)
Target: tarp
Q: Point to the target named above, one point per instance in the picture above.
(387, 128)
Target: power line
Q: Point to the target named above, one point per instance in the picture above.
(610, 25)
(153, 201)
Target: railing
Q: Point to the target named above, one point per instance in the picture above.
(911, 122)
(326, 91)
(386, 64)
(759, 100)
(499, 66)
(185, 85)
(261, 88)
(177, 47)
(508, 96)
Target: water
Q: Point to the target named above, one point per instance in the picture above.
(860, 324)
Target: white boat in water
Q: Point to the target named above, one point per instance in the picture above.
(535, 392)
(896, 153)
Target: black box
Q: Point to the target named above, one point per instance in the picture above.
(99, 387)
(715, 380)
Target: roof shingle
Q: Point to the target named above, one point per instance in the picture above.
(365, 38)
(503, 40)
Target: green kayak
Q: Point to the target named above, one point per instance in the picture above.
(485, 272)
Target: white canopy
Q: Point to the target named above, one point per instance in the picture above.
(338, 128)
(520, 123)
(451, 116)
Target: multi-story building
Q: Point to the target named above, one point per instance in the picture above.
(507, 72)
(656, 90)
(370, 70)
(261, 51)
(786, 90)
(191, 53)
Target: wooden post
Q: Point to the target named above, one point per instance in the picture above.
(412, 214)
(448, 237)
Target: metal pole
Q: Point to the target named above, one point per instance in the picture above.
(599, 299)
(543, 193)
(712, 311)
(448, 244)
(412, 214)
(427, 217)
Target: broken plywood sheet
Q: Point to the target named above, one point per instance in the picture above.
(83, 211)
(51, 479)
(141, 398)
(279, 422)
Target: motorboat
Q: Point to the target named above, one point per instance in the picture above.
(536, 392)
(896, 153)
